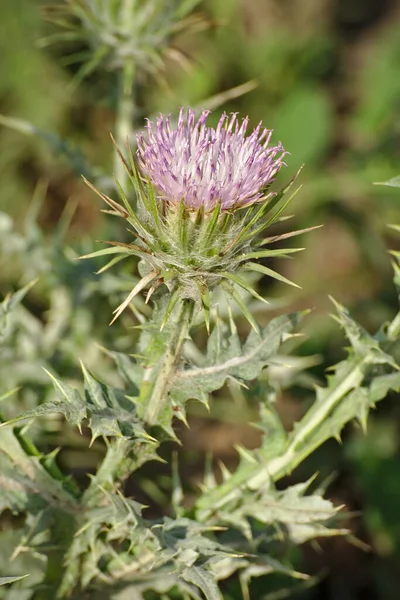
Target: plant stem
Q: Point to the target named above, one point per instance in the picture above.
(158, 378)
(126, 101)
(302, 444)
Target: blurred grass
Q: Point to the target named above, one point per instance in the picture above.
(328, 83)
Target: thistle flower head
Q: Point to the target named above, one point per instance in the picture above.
(204, 166)
(202, 203)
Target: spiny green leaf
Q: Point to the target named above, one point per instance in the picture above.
(70, 404)
(347, 396)
(227, 357)
(110, 412)
(28, 479)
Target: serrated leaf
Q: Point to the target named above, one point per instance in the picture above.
(110, 411)
(70, 404)
(227, 357)
(305, 516)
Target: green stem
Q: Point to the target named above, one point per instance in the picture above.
(300, 446)
(125, 456)
(158, 378)
(257, 474)
(126, 101)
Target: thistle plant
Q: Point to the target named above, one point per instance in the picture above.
(203, 204)
(203, 199)
(198, 202)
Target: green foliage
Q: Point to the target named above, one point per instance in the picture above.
(356, 385)
(107, 536)
(81, 536)
(227, 358)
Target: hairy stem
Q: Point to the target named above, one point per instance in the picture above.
(158, 377)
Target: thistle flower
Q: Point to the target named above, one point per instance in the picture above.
(204, 166)
(203, 200)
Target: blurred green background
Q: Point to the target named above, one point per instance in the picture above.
(326, 77)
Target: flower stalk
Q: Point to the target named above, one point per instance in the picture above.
(124, 117)
(126, 104)
(158, 378)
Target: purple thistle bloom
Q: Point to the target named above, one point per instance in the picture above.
(203, 165)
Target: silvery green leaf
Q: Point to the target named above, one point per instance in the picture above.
(131, 371)
(10, 302)
(70, 404)
(28, 482)
(348, 395)
(228, 357)
(110, 411)
(304, 516)
(203, 580)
